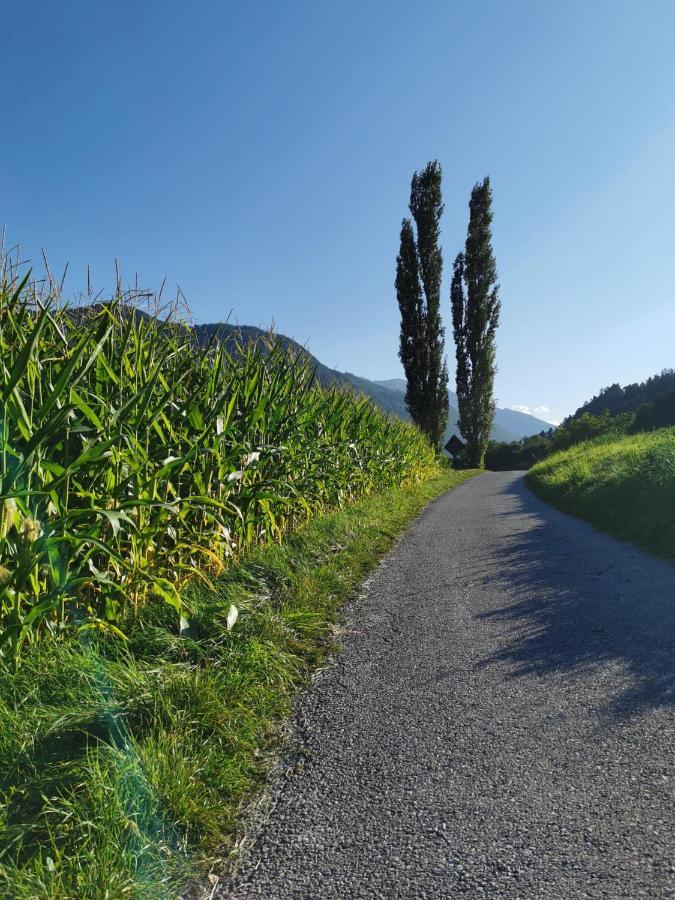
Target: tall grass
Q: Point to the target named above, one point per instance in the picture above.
(132, 459)
(624, 485)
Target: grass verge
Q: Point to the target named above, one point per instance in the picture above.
(625, 486)
(125, 767)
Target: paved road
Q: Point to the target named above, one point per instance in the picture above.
(499, 722)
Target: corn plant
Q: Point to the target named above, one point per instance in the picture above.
(133, 459)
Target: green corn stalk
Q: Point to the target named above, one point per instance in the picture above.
(132, 459)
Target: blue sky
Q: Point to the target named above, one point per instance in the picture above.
(260, 155)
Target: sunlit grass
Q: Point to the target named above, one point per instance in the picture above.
(625, 486)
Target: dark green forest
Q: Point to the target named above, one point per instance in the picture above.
(616, 399)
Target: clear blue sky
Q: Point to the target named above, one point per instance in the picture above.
(260, 155)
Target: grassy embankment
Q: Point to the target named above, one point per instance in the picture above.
(151, 491)
(624, 485)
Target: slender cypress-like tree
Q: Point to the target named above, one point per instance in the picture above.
(475, 317)
(419, 268)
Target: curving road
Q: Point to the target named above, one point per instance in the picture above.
(500, 721)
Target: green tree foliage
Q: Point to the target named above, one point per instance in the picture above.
(658, 414)
(419, 268)
(522, 454)
(616, 399)
(475, 317)
(588, 427)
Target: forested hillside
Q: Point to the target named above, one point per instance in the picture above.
(629, 398)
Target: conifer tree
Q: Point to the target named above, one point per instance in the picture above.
(419, 268)
(475, 317)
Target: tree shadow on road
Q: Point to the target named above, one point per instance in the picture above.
(585, 602)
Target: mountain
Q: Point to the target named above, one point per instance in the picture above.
(394, 384)
(520, 424)
(389, 394)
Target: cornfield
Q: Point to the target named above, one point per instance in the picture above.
(133, 459)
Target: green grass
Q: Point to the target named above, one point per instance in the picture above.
(126, 766)
(624, 485)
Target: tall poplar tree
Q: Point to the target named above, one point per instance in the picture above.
(419, 268)
(475, 317)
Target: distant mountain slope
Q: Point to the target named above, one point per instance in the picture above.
(394, 384)
(521, 424)
(392, 401)
(509, 425)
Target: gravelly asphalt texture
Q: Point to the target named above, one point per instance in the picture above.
(499, 721)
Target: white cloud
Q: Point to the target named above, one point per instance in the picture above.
(541, 412)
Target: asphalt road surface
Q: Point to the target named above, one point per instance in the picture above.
(499, 722)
